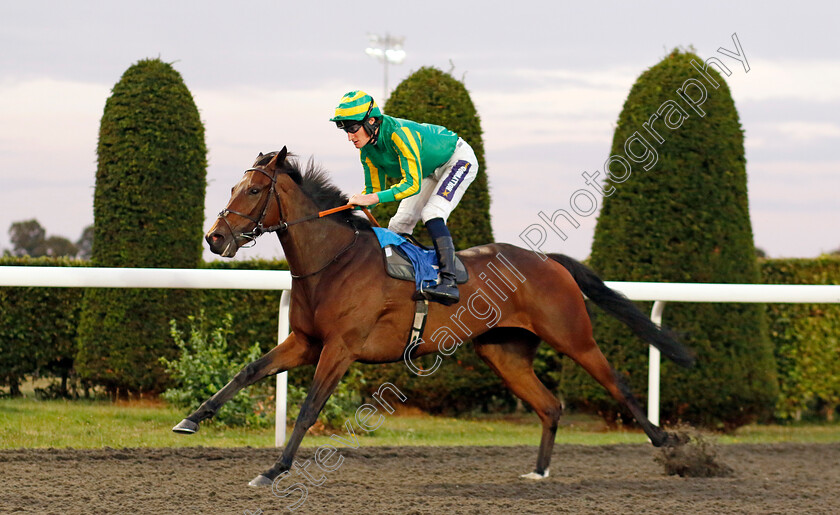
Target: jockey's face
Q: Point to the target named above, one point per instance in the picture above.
(360, 138)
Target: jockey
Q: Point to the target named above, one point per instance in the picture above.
(434, 167)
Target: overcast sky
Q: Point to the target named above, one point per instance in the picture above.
(548, 79)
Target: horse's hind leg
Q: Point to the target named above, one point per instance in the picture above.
(581, 347)
(293, 352)
(510, 353)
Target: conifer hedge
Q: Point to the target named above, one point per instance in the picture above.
(148, 212)
(38, 328)
(432, 96)
(806, 340)
(254, 312)
(679, 213)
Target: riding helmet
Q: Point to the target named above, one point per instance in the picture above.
(357, 106)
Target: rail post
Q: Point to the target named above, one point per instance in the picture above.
(654, 359)
(282, 377)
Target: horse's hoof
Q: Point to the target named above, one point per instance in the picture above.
(667, 439)
(260, 480)
(535, 475)
(186, 427)
(677, 439)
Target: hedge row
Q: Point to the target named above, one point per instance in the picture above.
(806, 340)
(38, 328)
(254, 312)
(38, 333)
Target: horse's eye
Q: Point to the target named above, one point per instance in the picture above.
(254, 191)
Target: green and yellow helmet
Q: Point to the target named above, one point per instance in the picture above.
(357, 109)
(355, 106)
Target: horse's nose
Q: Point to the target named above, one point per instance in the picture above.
(214, 239)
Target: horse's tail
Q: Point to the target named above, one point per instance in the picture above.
(620, 307)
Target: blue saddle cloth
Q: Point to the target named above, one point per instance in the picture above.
(424, 261)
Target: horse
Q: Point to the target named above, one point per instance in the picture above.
(345, 308)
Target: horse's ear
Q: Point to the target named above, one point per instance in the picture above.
(278, 160)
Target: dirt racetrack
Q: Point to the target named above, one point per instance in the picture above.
(778, 478)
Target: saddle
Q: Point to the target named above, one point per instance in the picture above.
(407, 259)
(399, 266)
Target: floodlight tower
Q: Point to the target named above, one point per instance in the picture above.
(387, 49)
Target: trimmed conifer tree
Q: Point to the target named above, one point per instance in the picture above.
(432, 96)
(148, 212)
(675, 210)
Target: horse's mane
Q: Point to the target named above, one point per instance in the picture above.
(315, 182)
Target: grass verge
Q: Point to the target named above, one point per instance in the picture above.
(29, 423)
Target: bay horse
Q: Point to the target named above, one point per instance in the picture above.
(345, 308)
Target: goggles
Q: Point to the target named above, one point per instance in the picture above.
(350, 126)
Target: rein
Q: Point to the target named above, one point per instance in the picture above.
(283, 225)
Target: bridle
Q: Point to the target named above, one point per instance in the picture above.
(259, 228)
(282, 225)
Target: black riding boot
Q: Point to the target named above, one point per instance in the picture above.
(445, 292)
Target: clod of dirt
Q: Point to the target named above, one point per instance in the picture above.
(696, 458)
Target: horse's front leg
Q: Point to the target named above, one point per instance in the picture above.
(333, 363)
(293, 352)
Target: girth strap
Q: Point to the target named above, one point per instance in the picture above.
(421, 310)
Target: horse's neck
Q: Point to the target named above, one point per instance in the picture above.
(310, 245)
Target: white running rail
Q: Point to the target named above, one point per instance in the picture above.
(660, 293)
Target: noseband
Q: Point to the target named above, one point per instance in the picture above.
(282, 225)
